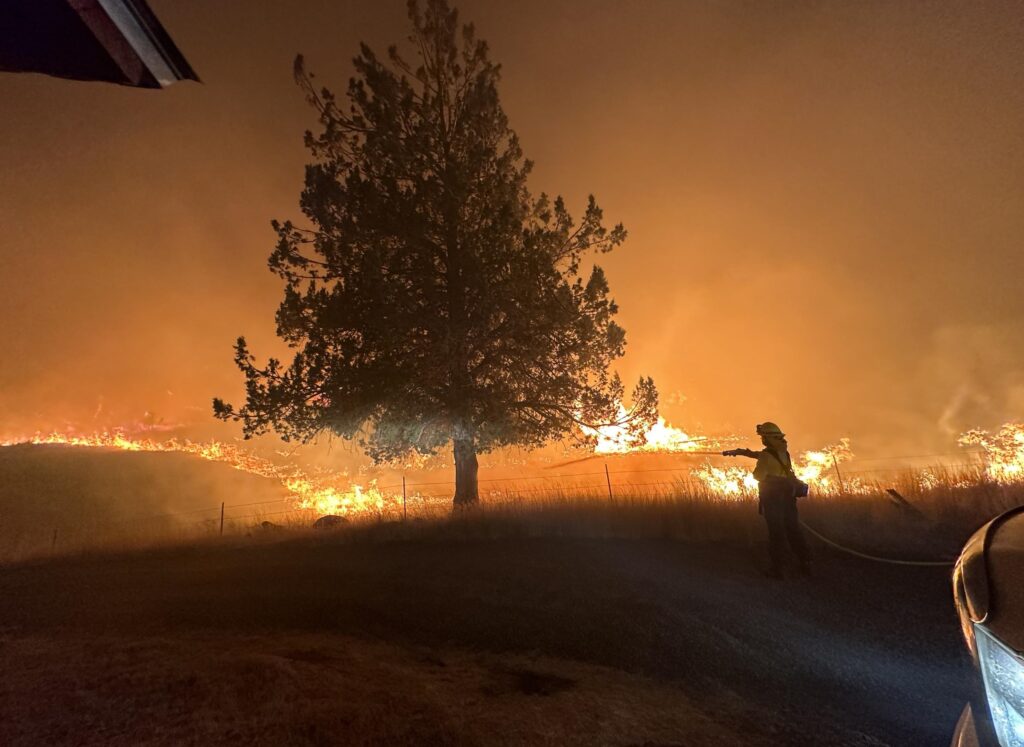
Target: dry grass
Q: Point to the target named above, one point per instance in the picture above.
(931, 522)
(62, 501)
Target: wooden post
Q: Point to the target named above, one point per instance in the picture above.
(835, 464)
(608, 477)
(222, 518)
(405, 514)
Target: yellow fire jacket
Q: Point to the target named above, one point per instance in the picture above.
(768, 465)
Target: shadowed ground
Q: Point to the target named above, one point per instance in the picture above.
(504, 641)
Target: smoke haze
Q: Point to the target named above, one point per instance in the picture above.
(823, 199)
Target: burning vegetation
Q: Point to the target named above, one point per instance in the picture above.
(1004, 451)
(322, 491)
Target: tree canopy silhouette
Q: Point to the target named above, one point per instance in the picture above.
(433, 300)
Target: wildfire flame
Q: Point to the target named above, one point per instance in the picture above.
(819, 468)
(660, 437)
(334, 493)
(1003, 451)
(732, 482)
(331, 494)
(816, 468)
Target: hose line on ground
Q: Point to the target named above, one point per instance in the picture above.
(877, 559)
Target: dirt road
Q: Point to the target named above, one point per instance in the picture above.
(858, 654)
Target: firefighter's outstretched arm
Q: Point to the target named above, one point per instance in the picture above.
(741, 452)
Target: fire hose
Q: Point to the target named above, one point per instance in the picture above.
(876, 558)
(815, 533)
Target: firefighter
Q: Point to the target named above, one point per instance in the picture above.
(778, 488)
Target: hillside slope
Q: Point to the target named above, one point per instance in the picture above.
(92, 497)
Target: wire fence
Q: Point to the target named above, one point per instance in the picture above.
(419, 496)
(405, 500)
(433, 498)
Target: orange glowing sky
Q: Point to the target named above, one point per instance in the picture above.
(824, 202)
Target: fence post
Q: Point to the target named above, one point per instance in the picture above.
(405, 515)
(608, 478)
(835, 464)
(222, 518)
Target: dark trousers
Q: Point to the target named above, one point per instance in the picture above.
(783, 525)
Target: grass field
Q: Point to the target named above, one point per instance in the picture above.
(57, 500)
(562, 618)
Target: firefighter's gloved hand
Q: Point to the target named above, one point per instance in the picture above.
(731, 452)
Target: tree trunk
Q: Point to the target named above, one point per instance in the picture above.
(466, 493)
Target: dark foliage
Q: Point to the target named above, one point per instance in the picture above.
(434, 300)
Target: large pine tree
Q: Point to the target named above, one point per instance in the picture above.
(433, 300)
